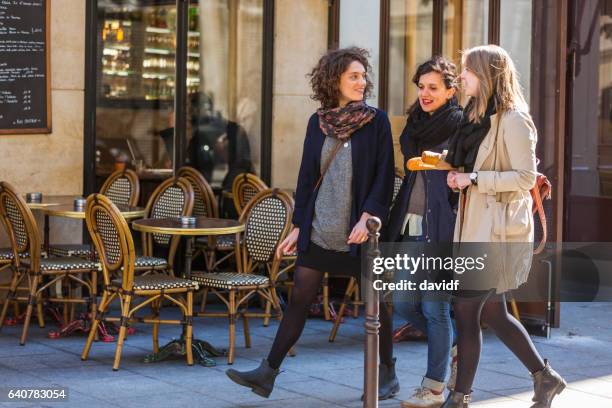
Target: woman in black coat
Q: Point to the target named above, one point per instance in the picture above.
(346, 177)
(424, 213)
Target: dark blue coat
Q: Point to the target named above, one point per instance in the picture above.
(373, 172)
(440, 205)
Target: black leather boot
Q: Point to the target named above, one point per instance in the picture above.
(547, 383)
(457, 400)
(260, 380)
(388, 384)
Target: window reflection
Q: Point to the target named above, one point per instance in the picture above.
(223, 116)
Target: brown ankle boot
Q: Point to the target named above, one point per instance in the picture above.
(457, 400)
(547, 383)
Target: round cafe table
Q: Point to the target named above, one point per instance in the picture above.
(203, 226)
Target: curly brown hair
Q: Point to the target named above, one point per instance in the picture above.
(325, 76)
(444, 67)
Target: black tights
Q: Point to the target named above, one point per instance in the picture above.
(306, 285)
(491, 310)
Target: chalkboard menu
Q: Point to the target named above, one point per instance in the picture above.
(25, 98)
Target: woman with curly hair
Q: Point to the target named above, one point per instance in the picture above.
(346, 177)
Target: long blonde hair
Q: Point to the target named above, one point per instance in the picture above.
(498, 79)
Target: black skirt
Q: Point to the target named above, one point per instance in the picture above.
(332, 262)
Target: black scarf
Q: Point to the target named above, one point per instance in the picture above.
(464, 145)
(341, 122)
(424, 131)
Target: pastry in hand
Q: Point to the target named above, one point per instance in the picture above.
(428, 161)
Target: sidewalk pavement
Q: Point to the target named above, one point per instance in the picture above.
(322, 374)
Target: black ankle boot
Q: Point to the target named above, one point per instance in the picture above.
(547, 383)
(260, 380)
(388, 384)
(457, 400)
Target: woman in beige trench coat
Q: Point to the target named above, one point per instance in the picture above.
(495, 149)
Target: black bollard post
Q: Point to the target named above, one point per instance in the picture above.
(372, 323)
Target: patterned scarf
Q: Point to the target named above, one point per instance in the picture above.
(341, 122)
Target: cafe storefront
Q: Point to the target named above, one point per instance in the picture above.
(220, 85)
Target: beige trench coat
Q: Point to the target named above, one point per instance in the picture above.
(498, 209)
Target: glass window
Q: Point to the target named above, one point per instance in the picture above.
(410, 42)
(360, 26)
(135, 85)
(465, 25)
(515, 37)
(224, 81)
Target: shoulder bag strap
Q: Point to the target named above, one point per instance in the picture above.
(328, 163)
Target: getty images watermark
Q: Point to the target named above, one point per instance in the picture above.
(434, 272)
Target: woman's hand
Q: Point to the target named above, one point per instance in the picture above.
(288, 246)
(456, 180)
(359, 234)
(451, 179)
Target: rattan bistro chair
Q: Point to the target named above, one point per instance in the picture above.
(115, 246)
(122, 187)
(23, 233)
(172, 198)
(267, 220)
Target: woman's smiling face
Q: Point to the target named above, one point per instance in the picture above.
(353, 83)
(433, 93)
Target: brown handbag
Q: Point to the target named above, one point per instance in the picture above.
(542, 190)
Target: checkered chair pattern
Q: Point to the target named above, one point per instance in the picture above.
(267, 219)
(244, 187)
(122, 187)
(23, 234)
(113, 241)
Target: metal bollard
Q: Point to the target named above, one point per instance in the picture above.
(372, 324)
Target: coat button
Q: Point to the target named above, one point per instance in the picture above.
(429, 210)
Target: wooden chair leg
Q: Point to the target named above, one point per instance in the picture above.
(39, 312)
(122, 331)
(189, 329)
(325, 284)
(245, 327)
(268, 312)
(204, 297)
(232, 326)
(155, 306)
(347, 298)
(32, 299)
(356, 299)
(9, 294)
(94, 326)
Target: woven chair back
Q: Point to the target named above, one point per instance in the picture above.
(20, 225)
(172, 198)
(112, 238)
(244, 188)
(267, 219)
(204, 201)
(122, 187)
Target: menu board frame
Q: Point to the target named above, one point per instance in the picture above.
(47, 128)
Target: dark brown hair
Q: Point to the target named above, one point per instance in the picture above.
(444, 67)
(325, 76)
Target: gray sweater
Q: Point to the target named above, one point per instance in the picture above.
(331, 223)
